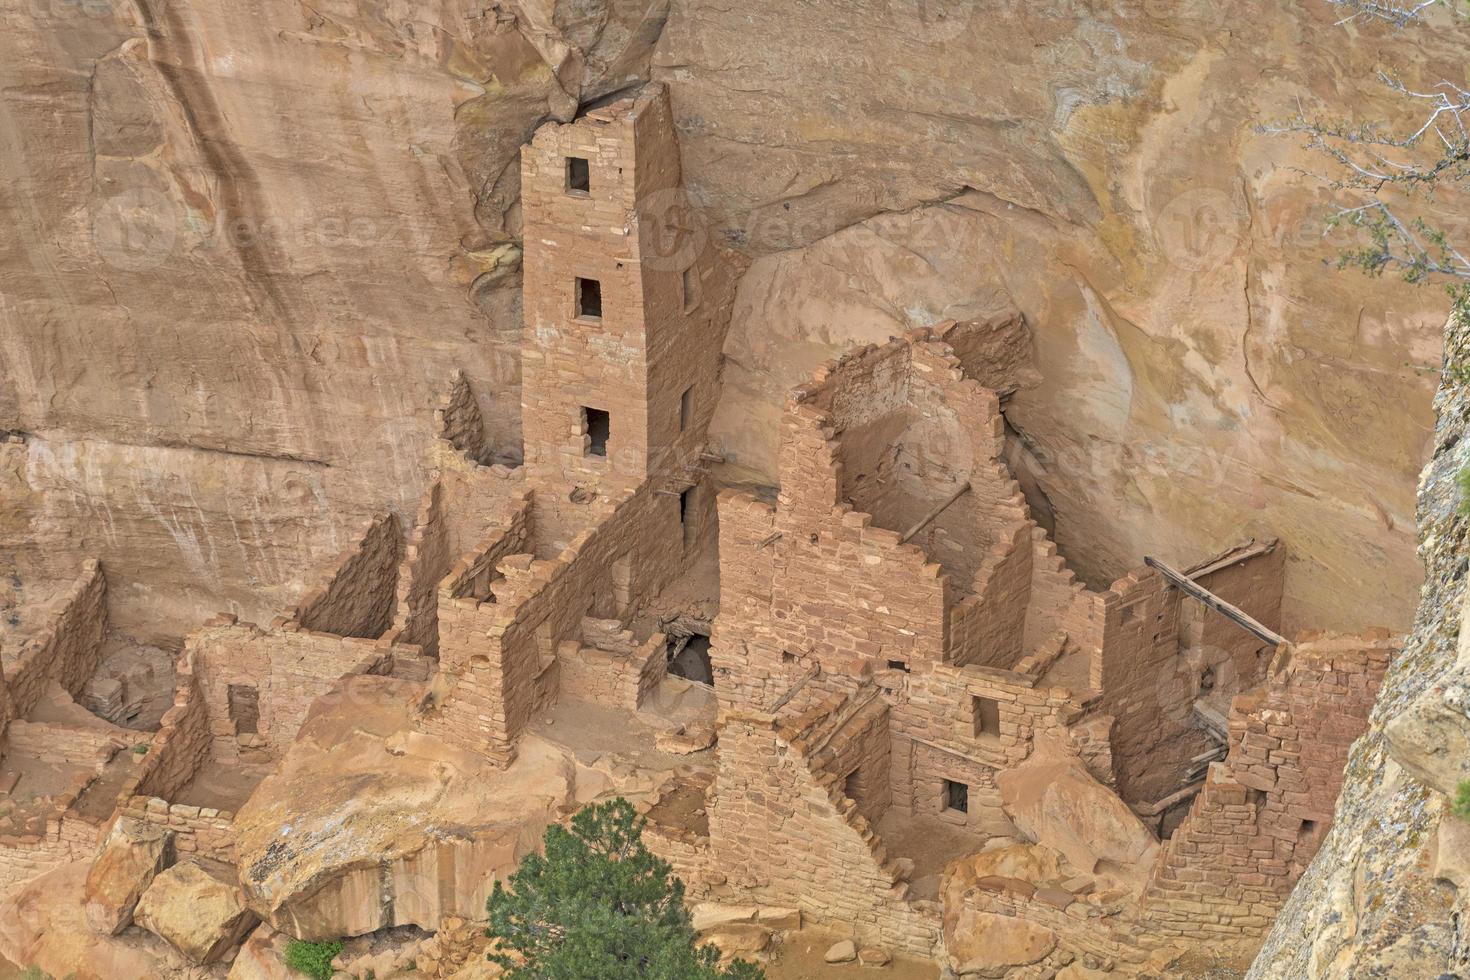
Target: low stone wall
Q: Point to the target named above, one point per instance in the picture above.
(67, 650)
(613, 677)
(200, 831)
(181, 744)
(67, 836)
(59, 744)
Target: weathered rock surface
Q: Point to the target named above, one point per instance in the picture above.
(981, 943)
(1374, 902)
(131, 855)
(262, 956)
(198, 910)
(43, 925)
(367, 825)
(1059, 802)
(218, 379)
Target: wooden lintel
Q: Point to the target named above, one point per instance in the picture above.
(924, 521)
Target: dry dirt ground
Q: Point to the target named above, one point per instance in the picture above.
(799, 957)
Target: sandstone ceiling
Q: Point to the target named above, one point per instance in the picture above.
(247, 244)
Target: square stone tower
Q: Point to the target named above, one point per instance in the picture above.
(620, 356)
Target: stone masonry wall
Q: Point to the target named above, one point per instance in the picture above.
(787, 835)
(288, 668)
(459, 421)
(359, 595)
(181, 744)
(198, 831)
(67, 650)
(1263, 812)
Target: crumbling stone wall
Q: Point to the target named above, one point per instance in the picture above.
(182, 741)
(772, 799)
(616, 673)
(1263, 812)
(66, 650)
(198, 831)
(459, 422)
(359, 595)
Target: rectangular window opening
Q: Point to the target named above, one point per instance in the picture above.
(956, 796)
(598, 426)
(985, 713)
(686, 408)
(898, 665)
(852, 785)
(691, 288)
(579, 175)
(589, 299)
(686, 515)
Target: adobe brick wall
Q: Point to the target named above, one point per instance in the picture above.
(67, 650)
(1263, 812)
(361, 590)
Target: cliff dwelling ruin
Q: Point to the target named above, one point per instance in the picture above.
(871, 700)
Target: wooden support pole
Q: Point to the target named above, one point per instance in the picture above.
(1235, 614)
(924, 521)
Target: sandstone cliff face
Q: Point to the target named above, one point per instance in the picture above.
(248, 244)
(1388, 895)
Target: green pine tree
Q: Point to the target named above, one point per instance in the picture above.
(599, 906)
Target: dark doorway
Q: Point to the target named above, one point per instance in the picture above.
(244, 703)
(599, 427)
(691, 660)
(579, 175)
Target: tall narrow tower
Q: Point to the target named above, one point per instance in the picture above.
(620, 355)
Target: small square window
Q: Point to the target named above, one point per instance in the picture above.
(985, 713)
(589, 299)
(686, 408)
(598, 426)
(691, 288)
(579, 175)
(956, 796)
(787, 657)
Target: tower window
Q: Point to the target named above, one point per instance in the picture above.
(691, 288)
(686, 408)
(598, 425)
(589, 298)
(956, 796)
(579, 176)
(985, 713)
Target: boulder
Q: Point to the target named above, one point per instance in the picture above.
(874, 956)
(199, 911)
(1060, 804)
(685, 740)
(841, 952)
(739, 938)
(391, 827)
(982, 943)
(263, 957)
(132, 854)
(779, 918)
(708, 915)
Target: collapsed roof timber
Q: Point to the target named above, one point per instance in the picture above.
(918, 728)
